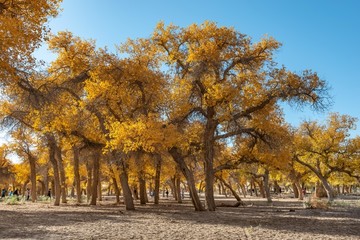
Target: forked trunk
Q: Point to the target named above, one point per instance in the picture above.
(54, 163)
(329, 190)
(179, 159)
(62, 173)
(234, 193)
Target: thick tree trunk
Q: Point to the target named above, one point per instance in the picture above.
(157, 179)
(179, 159)
(96, 171)
(54, 162)
(76, 153)
(128, 199)
(296, 190)
(32, 162)
(209, 142)
(300, 190)
(328, 188)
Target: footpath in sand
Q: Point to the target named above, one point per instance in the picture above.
(284, 219)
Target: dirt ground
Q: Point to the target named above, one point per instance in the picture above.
(286, 218)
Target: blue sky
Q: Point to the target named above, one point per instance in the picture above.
(322, 35)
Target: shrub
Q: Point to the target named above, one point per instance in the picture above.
(14, 200)
(316, 203)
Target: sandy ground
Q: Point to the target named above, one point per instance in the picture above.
(284, 219)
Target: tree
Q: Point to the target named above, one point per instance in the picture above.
(22, 30)
(229, 83)
(25, 147)
(323, 148)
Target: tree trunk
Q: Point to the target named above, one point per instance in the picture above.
(328, 189)
(32, 162)
(89, 180)
(141, 177)
(179, 159)
(46, 179)
(76, 153)
(42, 187)
(157, 179)
(300, 190)
(178, 189)
(266, 186)
(261, 188)
(128, 199)
(99, 190)
(223, 189)
(96, 171)
(234, 193)
(242, 186)
(62, 173)
(54, 162)
(209, 142)
(117, 190)
(296, 190)
(173, 187)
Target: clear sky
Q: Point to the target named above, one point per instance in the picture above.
(322, 35)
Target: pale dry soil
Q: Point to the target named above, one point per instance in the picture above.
(284, 219)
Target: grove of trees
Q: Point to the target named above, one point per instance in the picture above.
(186, 108)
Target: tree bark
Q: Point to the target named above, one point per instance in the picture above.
(178, 189)
(234, 193)
(43, 191)
(141, 177)
(328, 188)
(89, 180)
(32, 162)
(76, 154)
(209, 141)
(96, 171)
(266, 186)
(179, 159)
(157, 179)
(117, 190)
(54, 162)
(128, 199)
(58, 156)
